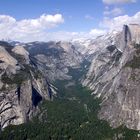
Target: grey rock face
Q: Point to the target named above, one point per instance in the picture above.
(114, 76)
(24, 77)
(7, 61)
(22, 87)
(21, 51)
(55, 58)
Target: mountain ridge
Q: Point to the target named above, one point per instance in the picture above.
(108, 65)
(110, 77)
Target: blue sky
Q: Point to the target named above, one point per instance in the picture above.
(74, 11)
(78, 15)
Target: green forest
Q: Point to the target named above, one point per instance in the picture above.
(71, 116)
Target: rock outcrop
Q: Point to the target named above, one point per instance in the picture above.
(22, 86)
(20, 50)
(114, 76)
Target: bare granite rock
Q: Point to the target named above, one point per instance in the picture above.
(114, 76)
(22, 86)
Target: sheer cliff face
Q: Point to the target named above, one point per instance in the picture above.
(114, 76)
(22, 86)
(24, 76)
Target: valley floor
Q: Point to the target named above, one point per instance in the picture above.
(71, 116)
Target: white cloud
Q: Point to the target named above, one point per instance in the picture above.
(67, 36)
(38, 29)
(97, 32)
(118, 22)
(114, 12)
(62, 35)
(27, 29)
(118, 1)
(89, 17)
